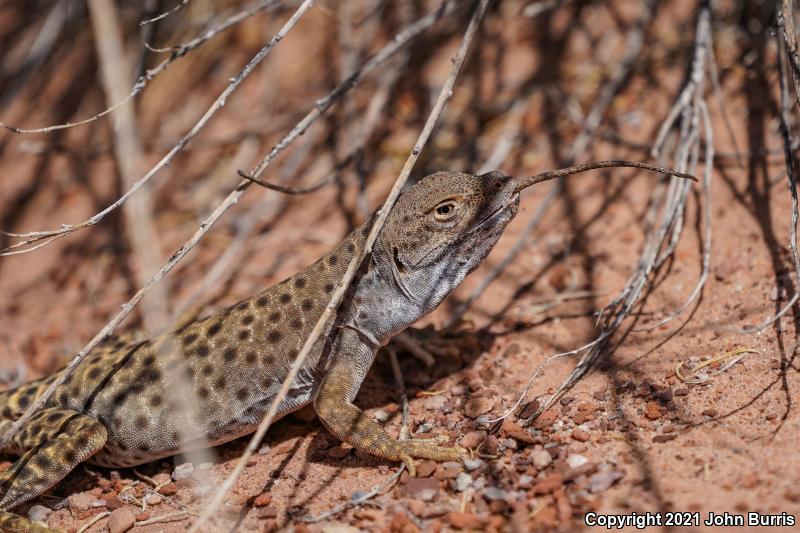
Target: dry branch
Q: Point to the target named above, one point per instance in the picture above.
(139, 224)
(662, 240)
(444, 95)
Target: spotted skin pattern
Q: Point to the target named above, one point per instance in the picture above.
(133, 401)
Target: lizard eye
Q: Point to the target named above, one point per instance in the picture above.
(445, 211)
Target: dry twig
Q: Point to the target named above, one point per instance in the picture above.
(661, 242)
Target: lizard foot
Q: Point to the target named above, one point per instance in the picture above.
(427, 449)
(17, 524)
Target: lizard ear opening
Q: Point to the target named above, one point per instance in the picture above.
(399, 264)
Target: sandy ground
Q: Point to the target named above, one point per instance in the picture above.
(631, 438)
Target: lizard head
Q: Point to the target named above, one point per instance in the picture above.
(441, 228)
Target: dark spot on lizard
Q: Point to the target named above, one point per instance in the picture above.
(244, 335)
(229, 354)
(42, 461)
(262, 301)
(52, 418)
(274, 336)
(351, 247)
(241, 394)
(285, 298)
(94, 373)
(214, 329)
(202, 393)
(149, 375)
(275, 317)
(250, 358)
(208, 369)
(23, 401)
(7, 412)
(69, 456)
(247, 320)
(300, 283)
(333, 259)
(297, 323)
(202, 350)
(241, 306)
(116, 422)
(144, 447)
(307, 305)
(156, 400)
(189, 339)
(119, 398)
(140, 422)
(329, 287)
(82, 441)
(149, 360)
(35, 430)
(220, 382)
(268, 360)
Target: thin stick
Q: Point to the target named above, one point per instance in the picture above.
(553, 174)
(205, 226)
(165, 14)
(177, 52)
(32, 237)
(179, 515)
(140, 226)
(96, 518)
(336, 297)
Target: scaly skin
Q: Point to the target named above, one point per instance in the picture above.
(135, 401)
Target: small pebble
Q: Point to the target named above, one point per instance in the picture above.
(121, 520)
(580, 435)
(183, 471)
(476, 407)
(472, 464)
(601, 481)
(468, 521)
(39, 513)
(546, 419)
(473, 439)
(264, 450)
(80, 502)
(425, 489)
(153, 499)
(496, 494)
(97, 504)
(170, 489)
(576, 460)
(652, 410)
(711, 413)
(541, 459)
(262, 500)
(682, 391)
(380, 415)
(462, 482)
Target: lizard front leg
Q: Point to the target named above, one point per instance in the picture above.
(334, 406)
(54, 442)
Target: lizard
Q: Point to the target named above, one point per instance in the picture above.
(210, 381)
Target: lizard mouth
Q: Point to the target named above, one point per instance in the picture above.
(510, 206)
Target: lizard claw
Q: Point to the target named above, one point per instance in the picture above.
(410, 466)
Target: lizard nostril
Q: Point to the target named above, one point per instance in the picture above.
(498, 185)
